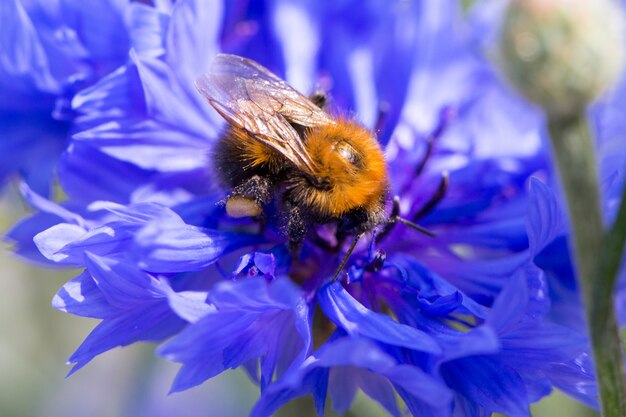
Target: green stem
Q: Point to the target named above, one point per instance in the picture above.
(594, 256)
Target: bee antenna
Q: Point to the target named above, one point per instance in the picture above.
(347, 256)
(412, 225)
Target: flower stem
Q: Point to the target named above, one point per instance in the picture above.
(597, 255)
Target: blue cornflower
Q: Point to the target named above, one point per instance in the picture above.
(48, 52)
(457, 325)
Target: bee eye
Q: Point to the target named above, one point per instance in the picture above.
(348, 154)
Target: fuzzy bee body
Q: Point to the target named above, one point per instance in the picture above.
(347, 176)
(283, 147)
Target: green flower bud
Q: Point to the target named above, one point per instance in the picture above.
(562, 54)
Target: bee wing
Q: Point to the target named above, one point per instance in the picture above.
(249, 96)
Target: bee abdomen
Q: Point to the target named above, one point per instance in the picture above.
(237, 157)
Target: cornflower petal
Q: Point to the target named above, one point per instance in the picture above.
(355, 319)
(138, 308)
(82, 297)
(336, 359)
(22, 54)
(252, 320)
(544, 218)
(46, 57)
(173, 246)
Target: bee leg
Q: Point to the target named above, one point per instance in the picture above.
(248, 198)
(394, 218)
(296, 228)
(320, 99)
(395, 212)
(345, 258)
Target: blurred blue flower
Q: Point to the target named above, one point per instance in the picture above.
(607, 119)
(457, 325)
(48, 52)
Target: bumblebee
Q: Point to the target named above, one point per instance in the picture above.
(280, 146)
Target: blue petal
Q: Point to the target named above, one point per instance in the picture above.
(21, 53)
(47, 206)
(250, 321)
(481, 279)
(379, 389)
(188, 305)
(82, 297)
(342, 386)
(65, 244)
(538, 346)
(358, 352)
(118, 93)
(122, 284)
(148, 145)
(478, 341)
(463, 407)
(364, 354)
(147, 29)
(87, 175)
(52, 241)
(297, 31)
(108, 44)
(419, 384)
(244, 263)
(490, 383)
(418, 407)
(139, 213)
(23, 233)
(192, 40)
(442, 306)
(173, 246)
(352, 363)
(165, 98)
(524, 298)
(265, 262)
(256, 294)
(276, 395)
(405, 32)
(544, 220)
(345, 311)
(256, 264)
(576, 378)
(147, 322)
(199, 347)
(430, 285)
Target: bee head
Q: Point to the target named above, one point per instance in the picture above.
(350, 164)
(344, 151)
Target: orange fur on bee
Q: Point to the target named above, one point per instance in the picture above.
(361, 183)
(253, 152)
(348, 184)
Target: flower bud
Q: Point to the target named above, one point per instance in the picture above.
(562, 54)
